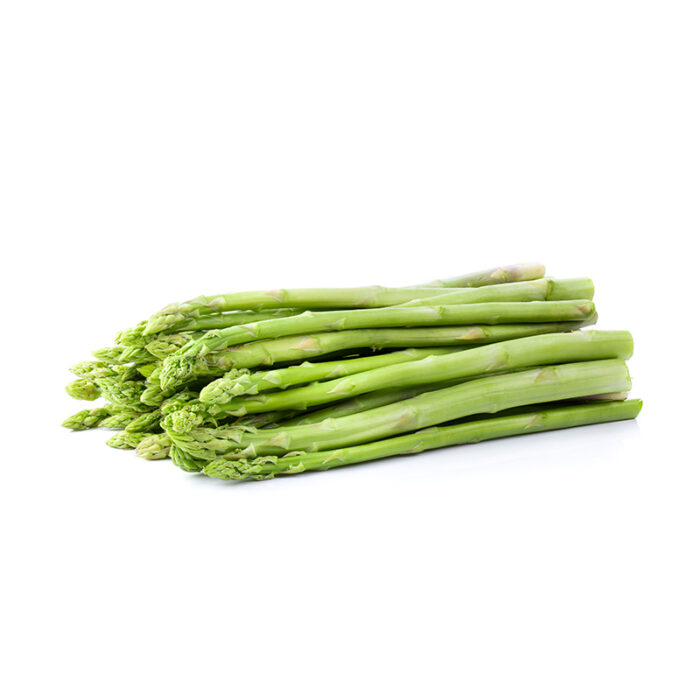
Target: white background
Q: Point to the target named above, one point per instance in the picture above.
(152, 151)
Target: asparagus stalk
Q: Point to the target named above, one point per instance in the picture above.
(195, 413)
(335, 298)
(357, 404)
(295, 348)
(535, 420)
(137, 337)
(179, 366)
(237, 382)
(496, 275)
(545, 289)
(486, 395)
(575, 288)
(499, 357)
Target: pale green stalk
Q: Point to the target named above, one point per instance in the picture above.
(545, 289)
(357, 404)
(496, 275)
(238, 382)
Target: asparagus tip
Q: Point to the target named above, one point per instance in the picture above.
(83, 389)
(154, 447)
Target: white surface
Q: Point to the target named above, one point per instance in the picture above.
(152, 151)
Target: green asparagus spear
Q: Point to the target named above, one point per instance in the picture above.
(179, 366)
(497, 275)
(109, 355)
(295, 348)
(238, 382)
(90, 369)
(156, 446)
(126, 441)
(575, 288)
(137, 337)
(498, 357)
(357, 404)
(124, 393)
(87, 418)
(485, 395)
(185, 461)
(84, 389)
(119, 418)
(523, 422)
(538, 290)
(145, 423)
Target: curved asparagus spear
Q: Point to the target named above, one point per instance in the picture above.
(301, 347)
(523, 422)
(510, 355)
(496, 275)
(179, 366)
(487, 395)
(237, 382)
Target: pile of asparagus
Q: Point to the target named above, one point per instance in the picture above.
(253, 385)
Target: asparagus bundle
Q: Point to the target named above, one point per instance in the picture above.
(505, 356)
(224, 384)
(485, 395)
